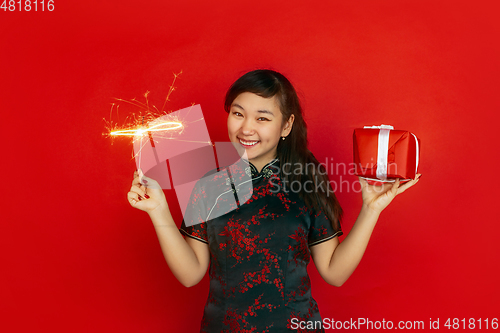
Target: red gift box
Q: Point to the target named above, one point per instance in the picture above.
(382, 154)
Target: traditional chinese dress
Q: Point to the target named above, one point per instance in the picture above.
(259, 235)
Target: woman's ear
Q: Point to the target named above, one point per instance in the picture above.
(288, 126)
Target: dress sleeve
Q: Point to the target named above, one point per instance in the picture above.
(194, 221)
(197, 231)
(321, 229)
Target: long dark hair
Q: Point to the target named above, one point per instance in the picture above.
(292, 151)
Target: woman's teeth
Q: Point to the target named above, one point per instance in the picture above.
(248, 143)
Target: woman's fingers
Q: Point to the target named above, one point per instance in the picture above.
(133, 198)
(139, 190)
(144, 182)
(150, 183)
(395, 187)
(389, 188)
(137, 181)
(141, 185)
(145, 193)
(409, 184)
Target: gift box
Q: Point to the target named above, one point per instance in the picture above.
(383, 154)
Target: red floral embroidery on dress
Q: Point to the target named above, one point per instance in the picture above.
(238, 323)
(200, 231)
(250, 279)
(303, 211)
(300, 249)
(214, 276)
(319, 232)
(305, 286)
(238, 240)
(257, 306)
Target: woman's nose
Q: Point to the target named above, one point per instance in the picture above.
(247, 127)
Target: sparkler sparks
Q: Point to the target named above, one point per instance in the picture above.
(157, 120)
(141, 132)
(149, 123)
(162, 126)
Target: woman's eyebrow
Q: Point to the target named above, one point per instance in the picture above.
(266, 111)
(259, 111)
(238, 106)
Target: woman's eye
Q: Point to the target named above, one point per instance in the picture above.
(262, 118)
(236, 113)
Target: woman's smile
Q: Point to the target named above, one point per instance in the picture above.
(248, 143)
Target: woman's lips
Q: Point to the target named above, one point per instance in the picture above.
(248, 143)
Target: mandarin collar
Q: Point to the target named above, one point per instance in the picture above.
(270, 169)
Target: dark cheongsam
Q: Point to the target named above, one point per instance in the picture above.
(259, 250)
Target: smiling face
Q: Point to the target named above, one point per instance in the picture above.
(256, 123)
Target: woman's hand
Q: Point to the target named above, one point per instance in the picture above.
(378, 197)
(146, 194)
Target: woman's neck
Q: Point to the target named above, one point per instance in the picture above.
(259, 165)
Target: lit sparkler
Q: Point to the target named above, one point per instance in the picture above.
(157, 121)
(141, 132)
(148, 121)
(163, 126)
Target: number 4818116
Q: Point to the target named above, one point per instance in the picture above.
(27, 5)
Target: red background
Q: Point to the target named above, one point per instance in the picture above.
(76, 257)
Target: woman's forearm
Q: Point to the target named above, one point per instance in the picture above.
(348, 254)
(180, 257)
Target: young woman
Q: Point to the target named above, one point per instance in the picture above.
(259, 250)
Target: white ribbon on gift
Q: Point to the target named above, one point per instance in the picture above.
(383, 150)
